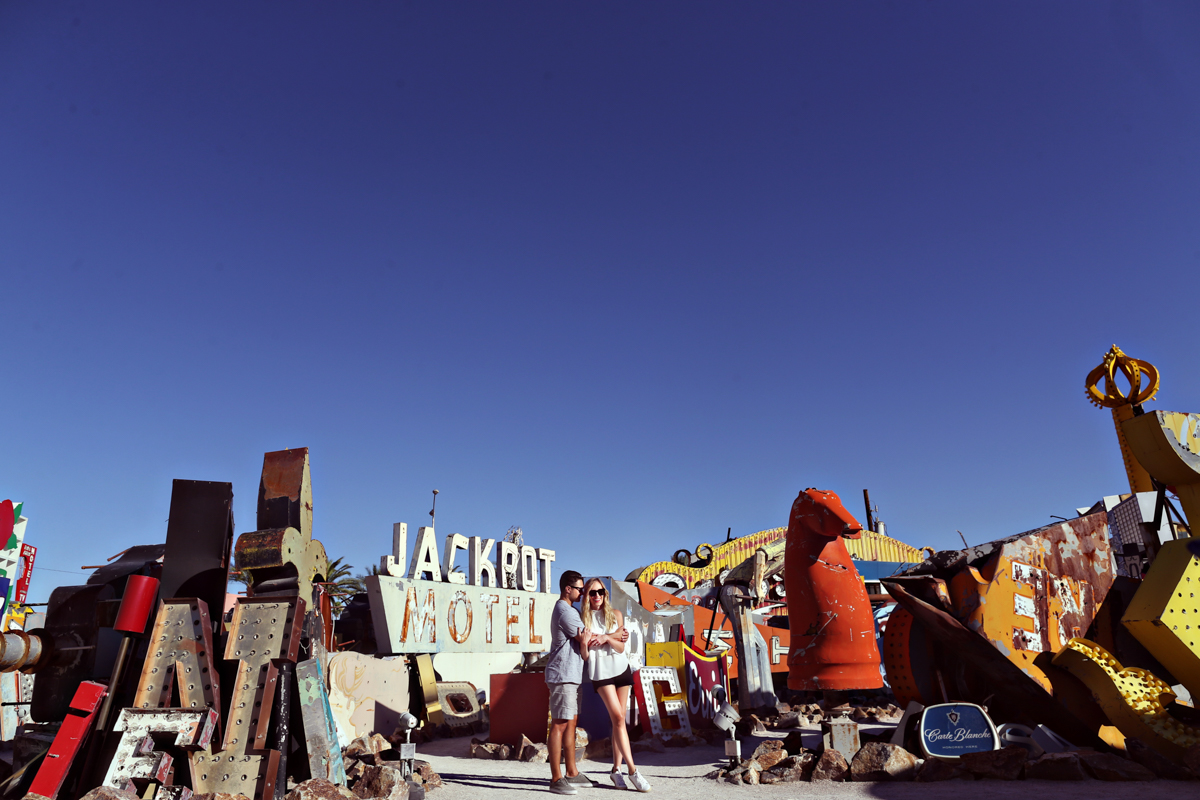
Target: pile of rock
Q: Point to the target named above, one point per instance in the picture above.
(785, 716)
(774, 762)
(373, 770)
(525, 750)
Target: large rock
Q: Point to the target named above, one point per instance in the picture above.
(934, 769)
(531, 752)
(490, 750)
(1108, 767)
(384, 782)
(319, 789)
(219, 796)
(371, 745)
(790, 769)
(108, 793)
(1156, 762)
(769, 753)
(1056, 767)
(424, 770)
(599, 749)
(831, 766)
(880, 761)
(36, 796)
(1004, 764)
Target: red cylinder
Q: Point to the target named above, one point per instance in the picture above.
(829, 614)
(136, 604)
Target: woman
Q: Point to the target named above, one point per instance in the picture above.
(608, 668)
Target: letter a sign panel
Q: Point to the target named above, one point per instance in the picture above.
(422, 616)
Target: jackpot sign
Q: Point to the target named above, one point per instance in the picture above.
(429, 605)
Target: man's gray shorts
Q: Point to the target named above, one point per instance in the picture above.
(564, 700)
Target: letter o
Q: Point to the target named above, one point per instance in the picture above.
(452, 617)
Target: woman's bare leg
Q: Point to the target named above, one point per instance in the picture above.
(614, 703)
(626, 749)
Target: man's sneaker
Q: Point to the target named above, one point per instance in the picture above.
(563, 786)
(581, 780)
(636, 781)
(618, 779)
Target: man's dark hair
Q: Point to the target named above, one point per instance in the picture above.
(568, 578)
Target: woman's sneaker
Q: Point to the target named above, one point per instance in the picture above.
(636, 781)
(618, 779)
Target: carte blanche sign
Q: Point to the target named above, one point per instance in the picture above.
(423, 604)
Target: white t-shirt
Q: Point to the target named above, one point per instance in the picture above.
(603, 662)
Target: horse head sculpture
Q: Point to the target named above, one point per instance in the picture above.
(832, 629)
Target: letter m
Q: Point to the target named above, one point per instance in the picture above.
(417, 618)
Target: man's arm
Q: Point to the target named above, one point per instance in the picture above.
(618, 637)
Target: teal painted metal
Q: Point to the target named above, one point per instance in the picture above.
(320, 730)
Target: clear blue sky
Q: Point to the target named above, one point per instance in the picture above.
(624, 274)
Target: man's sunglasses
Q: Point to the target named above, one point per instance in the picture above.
(597, 593)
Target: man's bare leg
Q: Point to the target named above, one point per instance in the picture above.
(555, 742)
(568, 744)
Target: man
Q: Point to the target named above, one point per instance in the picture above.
(564, 675)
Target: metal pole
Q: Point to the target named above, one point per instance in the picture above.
(283, 712)
(870, 518)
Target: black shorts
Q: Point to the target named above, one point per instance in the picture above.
(624, 679)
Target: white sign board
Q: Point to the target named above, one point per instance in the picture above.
(422, 616)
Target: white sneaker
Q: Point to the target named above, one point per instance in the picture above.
(638, 782)
(618, 779)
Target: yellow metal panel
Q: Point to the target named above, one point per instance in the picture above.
(1164, 615)
(1131, 697)
(665, 654)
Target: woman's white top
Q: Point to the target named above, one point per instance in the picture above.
(604, 662)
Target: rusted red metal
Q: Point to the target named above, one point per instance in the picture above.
(832, 628)
(136, 604)
(69, 740)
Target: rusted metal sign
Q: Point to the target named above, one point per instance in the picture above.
(1034, 592)
(181, 651)
(137, 762)
(263, 632)
(281, 557)
(417, 616)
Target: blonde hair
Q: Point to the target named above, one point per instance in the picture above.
(610, 613)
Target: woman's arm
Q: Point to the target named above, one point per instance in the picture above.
(616, 639)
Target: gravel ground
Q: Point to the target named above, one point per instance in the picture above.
(678, 775)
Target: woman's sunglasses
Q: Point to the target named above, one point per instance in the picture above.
(597, 593)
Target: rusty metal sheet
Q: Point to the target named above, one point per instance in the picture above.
(137, 760)
(199, 536)
(180, 650)
(974, 671)
(320, 728)
(281, 558)
(69, 739)
(1032, 593)
(264, 630)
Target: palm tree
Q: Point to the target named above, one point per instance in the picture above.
(341, 584)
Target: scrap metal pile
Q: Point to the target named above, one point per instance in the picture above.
(1063, 652)
(149, 681)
